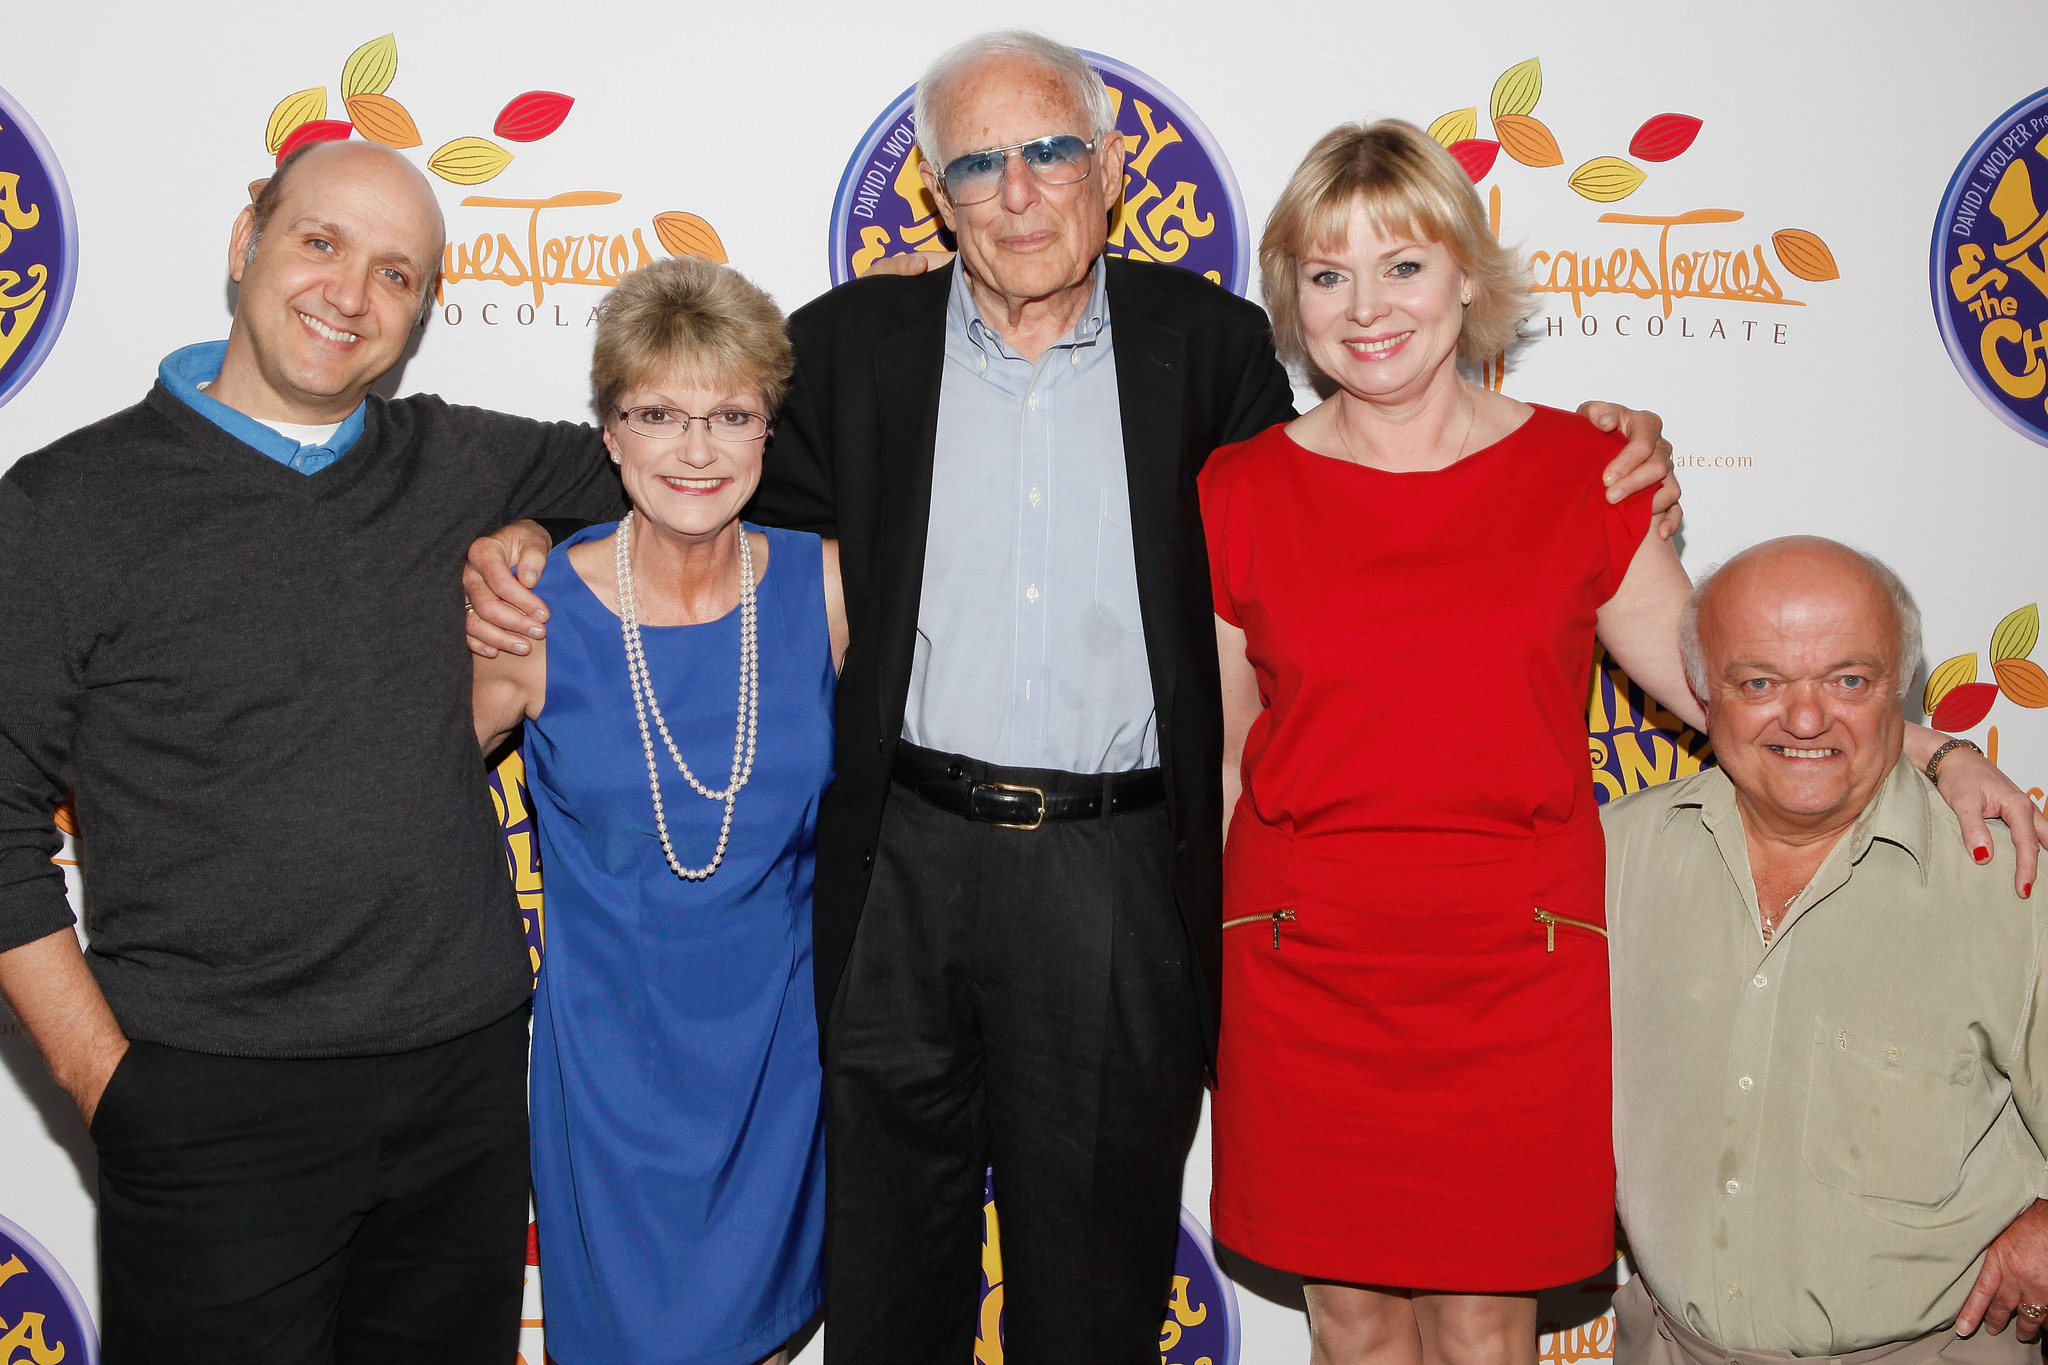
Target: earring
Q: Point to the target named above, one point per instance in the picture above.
(1468, 298)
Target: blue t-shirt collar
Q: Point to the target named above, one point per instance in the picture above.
(185, 369)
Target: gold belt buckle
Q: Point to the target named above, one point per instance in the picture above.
(1038, 792)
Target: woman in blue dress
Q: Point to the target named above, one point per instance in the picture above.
(678, 740)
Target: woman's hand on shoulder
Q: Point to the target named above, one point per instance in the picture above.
(1977, 790)
(1644, 461)
(835, 605)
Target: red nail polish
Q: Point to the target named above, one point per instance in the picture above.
(2027, 891)
(1983, 855)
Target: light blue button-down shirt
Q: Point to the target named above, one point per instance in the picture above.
(1030, 651)
(185, 369)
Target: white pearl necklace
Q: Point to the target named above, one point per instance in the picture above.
(644, 702)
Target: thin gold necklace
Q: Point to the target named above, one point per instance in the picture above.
(1344, 439)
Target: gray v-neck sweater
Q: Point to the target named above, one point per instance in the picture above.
(256, 681)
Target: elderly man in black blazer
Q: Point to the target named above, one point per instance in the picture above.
(1019, 864)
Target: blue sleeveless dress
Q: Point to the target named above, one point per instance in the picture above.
(678, 1152)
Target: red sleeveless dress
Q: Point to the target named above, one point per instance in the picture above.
(1413, 1085)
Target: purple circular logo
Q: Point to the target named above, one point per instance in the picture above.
(1180, 203)
(38, 250)
(1199, 1327)
(1990, 268)
(41, 1316)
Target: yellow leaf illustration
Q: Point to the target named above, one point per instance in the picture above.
(1947, 677)
(685, 234)
(2014, 637)
(2023, 681)
(1527, 140)
(1605, 179)
(1460, 125)
(381, 118)
(469, 160)
(369, 69)
(292, 111)
(1805, 255)
(1517, 90)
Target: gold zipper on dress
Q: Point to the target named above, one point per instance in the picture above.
(1278, 917)
(1550, 923)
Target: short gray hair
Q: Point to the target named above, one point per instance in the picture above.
(1908, 610)
(1090, 95)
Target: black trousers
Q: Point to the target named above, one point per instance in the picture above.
(1027, 999)
(347, 1210)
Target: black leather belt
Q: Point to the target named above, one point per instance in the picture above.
(945, 781)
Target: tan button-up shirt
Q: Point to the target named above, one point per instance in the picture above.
(1817, 1137)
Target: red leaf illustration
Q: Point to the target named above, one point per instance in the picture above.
(1963, 707)
(1476, 156)
(1664, 137)
(318, 130)
(532, 116)
(533, 1244)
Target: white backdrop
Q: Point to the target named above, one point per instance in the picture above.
(1827, 135)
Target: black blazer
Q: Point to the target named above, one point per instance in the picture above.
(852, 459)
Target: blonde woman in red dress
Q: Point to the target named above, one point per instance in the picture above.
(1412, 1101)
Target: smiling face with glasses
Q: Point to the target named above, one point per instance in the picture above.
(1026, 191)
(689, 454)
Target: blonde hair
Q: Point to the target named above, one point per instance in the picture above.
(1405, 182)
(689, 318)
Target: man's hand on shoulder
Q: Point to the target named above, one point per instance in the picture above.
(1644, 461)
(498, 579)
(2015, 1272)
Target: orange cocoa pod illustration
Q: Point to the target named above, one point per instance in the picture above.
(383, 119)
(1805, 255)
(2023, 681)
(685, 234)
(1527, 140)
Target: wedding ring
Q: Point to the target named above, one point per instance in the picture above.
(2033, 1312)
(469, 606)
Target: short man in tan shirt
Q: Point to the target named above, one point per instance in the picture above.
(1830, 1051)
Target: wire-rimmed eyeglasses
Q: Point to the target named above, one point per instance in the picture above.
(727, 424)
(1060, 160)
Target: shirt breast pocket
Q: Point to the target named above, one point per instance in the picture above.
(1886, 1119)
(1116, 563)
